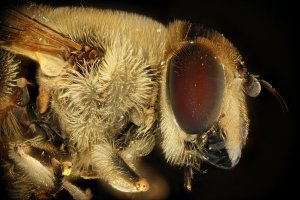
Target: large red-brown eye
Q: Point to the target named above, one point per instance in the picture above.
(195, 84)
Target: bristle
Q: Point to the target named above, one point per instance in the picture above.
(10, 128)
(8, 72)
(276, 94)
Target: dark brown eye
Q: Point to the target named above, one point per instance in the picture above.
(195, 85)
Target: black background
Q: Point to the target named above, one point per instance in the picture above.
(265, 32)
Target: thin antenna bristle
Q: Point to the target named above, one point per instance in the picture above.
(279, 98)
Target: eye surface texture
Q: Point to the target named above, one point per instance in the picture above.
(195, 84)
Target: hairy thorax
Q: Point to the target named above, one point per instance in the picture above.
(95, 100)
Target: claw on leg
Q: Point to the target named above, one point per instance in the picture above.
(142, 185)
(63, 168)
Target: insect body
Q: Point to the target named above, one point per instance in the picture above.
(107, 87)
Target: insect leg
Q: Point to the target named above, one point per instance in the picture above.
(188, 176)
(45, 129)
(136, 142)
(110, 167)
(77, 193)
(35, 179)
(62, 169)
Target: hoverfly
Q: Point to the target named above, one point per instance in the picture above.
(87, 92)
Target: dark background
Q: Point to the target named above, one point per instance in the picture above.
(265, 34)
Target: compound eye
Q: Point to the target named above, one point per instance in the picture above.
(195, 84)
